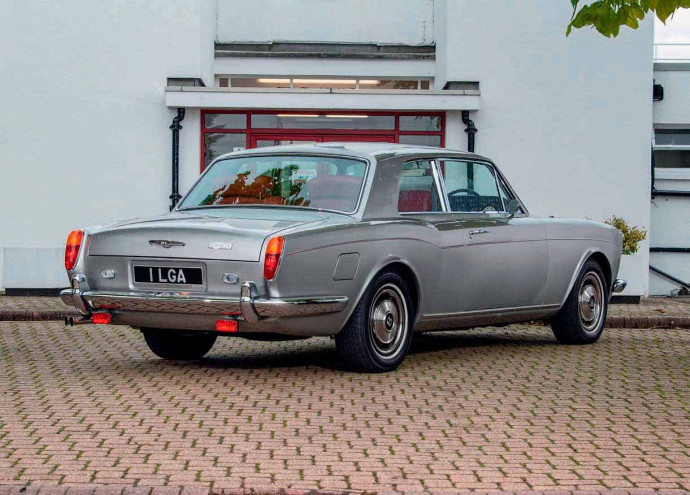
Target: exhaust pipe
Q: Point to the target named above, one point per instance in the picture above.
(71, 322)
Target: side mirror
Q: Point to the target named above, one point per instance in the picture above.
(512, 208)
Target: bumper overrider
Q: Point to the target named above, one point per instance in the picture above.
(248, 307)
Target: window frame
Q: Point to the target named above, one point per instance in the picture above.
(250, 131)
(437, 182)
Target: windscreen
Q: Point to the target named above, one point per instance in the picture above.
(281, 180)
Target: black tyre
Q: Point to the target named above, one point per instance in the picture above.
(379, 332)
(581, 319)
(176, 345)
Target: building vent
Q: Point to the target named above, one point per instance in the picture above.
(185, 81)
(462, 85)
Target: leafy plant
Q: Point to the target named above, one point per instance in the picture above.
(632, 236)
(607, 16)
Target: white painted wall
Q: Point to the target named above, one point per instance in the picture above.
(670, 228)
(84, 138)
(355, 21)
(675, 107)
(671, 215)
(567, 119)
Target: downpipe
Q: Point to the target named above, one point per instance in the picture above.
(470, 129)
(176, 126)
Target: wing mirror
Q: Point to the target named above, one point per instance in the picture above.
(512, 208)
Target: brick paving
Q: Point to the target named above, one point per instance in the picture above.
(90, 408)
(18, 308)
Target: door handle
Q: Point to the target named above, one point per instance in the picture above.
(478, 232)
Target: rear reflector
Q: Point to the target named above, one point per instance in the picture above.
(226, 326)
(101, 318)
(273, 251)
(72, 248)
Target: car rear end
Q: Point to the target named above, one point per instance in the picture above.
(209, 267)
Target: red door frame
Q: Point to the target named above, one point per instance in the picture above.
(392, 135)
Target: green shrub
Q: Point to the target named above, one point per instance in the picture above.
(632, 236)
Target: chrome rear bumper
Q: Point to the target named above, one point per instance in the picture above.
(247, 307)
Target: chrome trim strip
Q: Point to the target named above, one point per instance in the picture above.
(619, 285)
(440, 185)
(306, 306)
(517, 309)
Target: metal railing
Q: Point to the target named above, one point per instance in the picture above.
(672, 52)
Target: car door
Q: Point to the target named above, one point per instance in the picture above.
(420, 197)
(504, 262)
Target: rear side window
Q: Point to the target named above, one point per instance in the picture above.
(418, 192)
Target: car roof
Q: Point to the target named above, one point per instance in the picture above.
(360, 149)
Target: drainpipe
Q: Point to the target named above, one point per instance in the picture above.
(471, 130)
(176, 126)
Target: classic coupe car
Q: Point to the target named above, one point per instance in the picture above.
(367, 243)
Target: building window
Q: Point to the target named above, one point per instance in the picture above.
(227, 131)
(672, 148)
(325, 83)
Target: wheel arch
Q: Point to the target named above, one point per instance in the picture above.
(600, 257)
(405, 270)
(605, 265)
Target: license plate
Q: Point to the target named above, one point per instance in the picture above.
(174, 275)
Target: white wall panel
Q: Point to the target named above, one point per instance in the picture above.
(407, 22)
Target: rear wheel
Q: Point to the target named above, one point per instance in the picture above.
(581, 319)
(378, 334)
(178, 345)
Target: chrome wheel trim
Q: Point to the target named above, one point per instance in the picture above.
(388, 321)
(591, 302)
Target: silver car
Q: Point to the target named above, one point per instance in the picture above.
(364, 242)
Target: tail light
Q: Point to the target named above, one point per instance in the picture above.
(101, 318)
(72, 248)
(273, 251)
(228, 326)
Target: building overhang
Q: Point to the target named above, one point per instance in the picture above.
(333, 99)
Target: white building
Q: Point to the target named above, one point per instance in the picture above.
(91, 88)
(670, 209)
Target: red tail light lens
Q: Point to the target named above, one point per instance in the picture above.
(273, 252)
(101, 318)
(72, 249)
(229, 326)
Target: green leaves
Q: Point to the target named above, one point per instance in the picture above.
(607, 16)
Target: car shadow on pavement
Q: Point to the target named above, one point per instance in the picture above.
(461, 339)
(320, 352)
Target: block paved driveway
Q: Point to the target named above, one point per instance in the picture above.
(489, 408)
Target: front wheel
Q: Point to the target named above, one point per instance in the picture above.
(177, 345)
(583, 315)
(378, 334)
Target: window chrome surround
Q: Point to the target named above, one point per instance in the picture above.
(231, 156)
(440, 189)
(498, 176)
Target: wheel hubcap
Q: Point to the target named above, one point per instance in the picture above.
(591, 302)
(388, 321)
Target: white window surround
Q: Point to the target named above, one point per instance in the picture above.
(251, 98)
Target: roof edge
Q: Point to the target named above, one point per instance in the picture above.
(325, 50)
